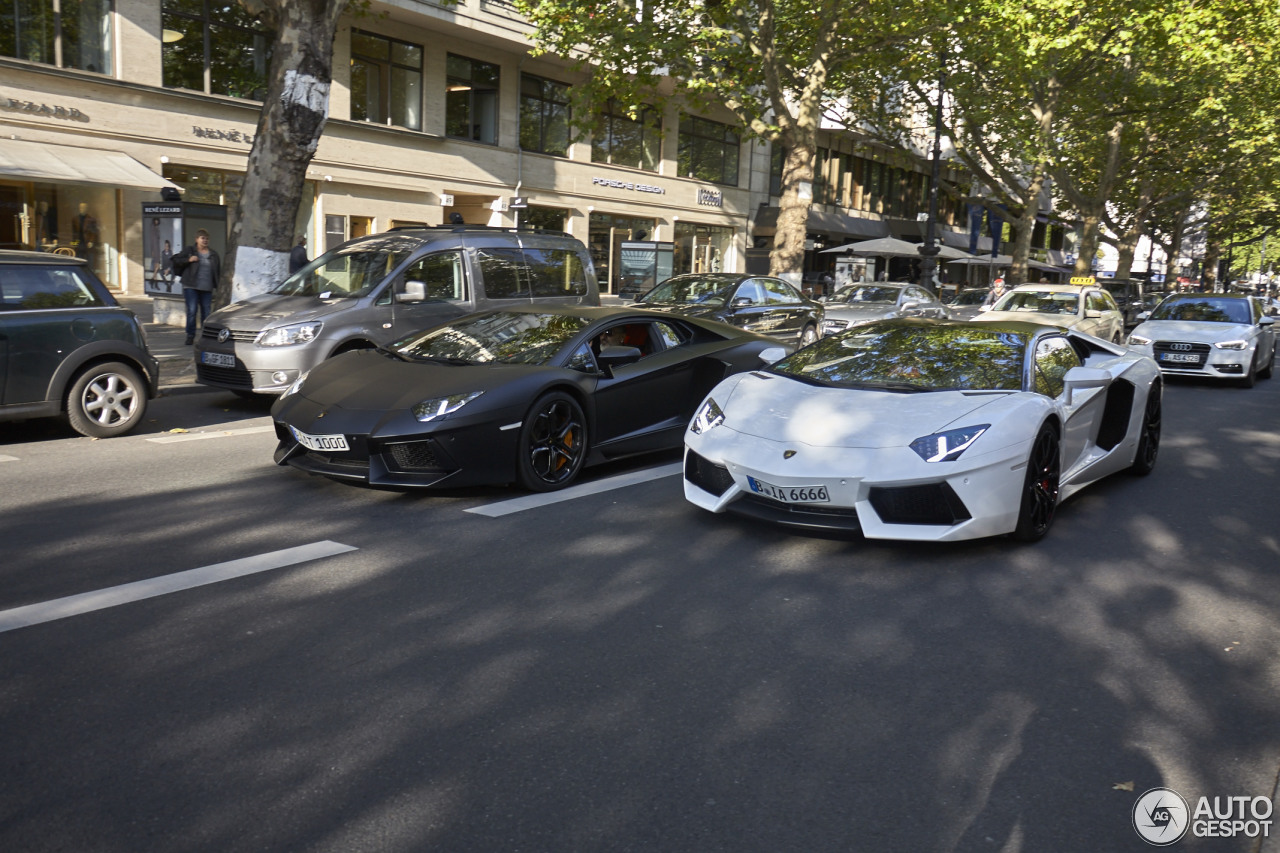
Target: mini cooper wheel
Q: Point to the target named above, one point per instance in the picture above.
(1144, 460)
(106, 400)
(553, 443)
(808, 335)
(1040, 487)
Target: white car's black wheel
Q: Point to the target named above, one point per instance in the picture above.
(1040, 487)
(1144, 460)
(106, 400)
(553, 443)
(1264, 372)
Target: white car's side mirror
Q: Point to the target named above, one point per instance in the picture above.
(1142, 317)
(1083, 379)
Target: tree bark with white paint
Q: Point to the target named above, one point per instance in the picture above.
(289, 128)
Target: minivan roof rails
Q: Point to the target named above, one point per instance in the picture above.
(494, 229)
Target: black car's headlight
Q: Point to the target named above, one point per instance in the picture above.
(438, 407)
(296, 386)
(708, 417)
(947, 446)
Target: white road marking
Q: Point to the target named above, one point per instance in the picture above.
(520, 504)
(8, 459)
(87, 602)
(197, 436)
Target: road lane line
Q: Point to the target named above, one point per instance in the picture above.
(221, 433)
(608, 484)
(8, 459)
(87, 602)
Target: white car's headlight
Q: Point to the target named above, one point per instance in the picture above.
(438, 407)
(296, 386)
(1139, 341)
(1232, 345)
(947, 446)
(291, 335)
(708, 417)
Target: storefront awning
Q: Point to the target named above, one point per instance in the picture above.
(66, 164)
(838, 225)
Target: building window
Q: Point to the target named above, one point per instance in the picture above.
(709, 150)
(208, 186)
(216, 48)
(386, 81)
(65, 33)
(471, 100)
(544, 115)
(628, 141)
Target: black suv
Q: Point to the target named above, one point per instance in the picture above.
(66, 345)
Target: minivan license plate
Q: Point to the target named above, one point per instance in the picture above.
(217, 359)
(790, 494)
(320, 442)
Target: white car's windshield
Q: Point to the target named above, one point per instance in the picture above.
(899, 356)
(1205, 309)
(1039, 302)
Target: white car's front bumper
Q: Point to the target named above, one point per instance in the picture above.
(978, 495)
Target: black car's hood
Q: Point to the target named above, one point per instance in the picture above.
(368, 380)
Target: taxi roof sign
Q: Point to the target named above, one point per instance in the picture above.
(1083, 279)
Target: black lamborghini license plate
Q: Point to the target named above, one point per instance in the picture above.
(790, 494)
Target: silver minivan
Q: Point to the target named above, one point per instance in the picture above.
(376, 289)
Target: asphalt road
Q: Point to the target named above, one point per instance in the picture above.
(620, 671)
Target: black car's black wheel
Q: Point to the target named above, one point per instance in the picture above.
(1040, 487)
(106, 400)
(808, 335)
(1144, 460)
(553, 443)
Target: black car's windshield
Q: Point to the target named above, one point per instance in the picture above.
(864, 294)
(705, 290)
(1207, 309)
(351, 270)
(510, 337)
(1039, 302)
(900, 356)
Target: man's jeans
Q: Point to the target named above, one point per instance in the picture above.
(202, 299)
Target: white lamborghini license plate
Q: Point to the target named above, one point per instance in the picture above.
(217, 359)
(1181, 357)
(320, 442)
(790, 494)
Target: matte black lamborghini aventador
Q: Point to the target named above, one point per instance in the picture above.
(528, 395)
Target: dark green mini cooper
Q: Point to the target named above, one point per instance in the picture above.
(66, 345)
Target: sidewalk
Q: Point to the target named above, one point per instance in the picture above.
(166, 343)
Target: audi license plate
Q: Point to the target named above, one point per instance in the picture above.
(790, 494)
(327, 443)
(1181, 357)
(217, 359)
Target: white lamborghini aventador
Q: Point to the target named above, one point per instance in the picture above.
(925, 430)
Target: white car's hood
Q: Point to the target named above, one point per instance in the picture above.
(783, 409)
(1197, 331)
(1064, 320)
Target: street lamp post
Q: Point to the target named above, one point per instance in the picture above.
(929, 249)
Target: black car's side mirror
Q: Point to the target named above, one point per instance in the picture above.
(743, 302)
(611, 358)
